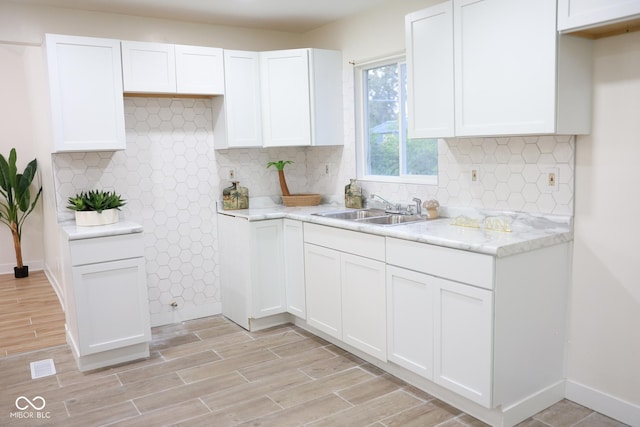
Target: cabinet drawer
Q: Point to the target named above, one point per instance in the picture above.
(461, 266)
(353, 242)
(103, 249)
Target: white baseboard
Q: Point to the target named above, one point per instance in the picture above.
(57, 286)
(611, 406)
(33, 266)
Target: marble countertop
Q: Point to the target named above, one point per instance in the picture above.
(528, 232)
(73, 232)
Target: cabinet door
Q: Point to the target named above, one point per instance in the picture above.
(285, 98)
(85, 83)
(429, 41)
(364, 319)
(148, 67)
(242, 99)
(505, 73)
(294, 267)
(267, 269)
(199, 70)
(410, 320)
(324, 296)
(112, 305)
(574, 14)
(463, 340)
(235, 274)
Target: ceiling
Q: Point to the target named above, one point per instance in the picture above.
(283, 15)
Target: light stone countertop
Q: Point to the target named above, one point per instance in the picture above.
(529, 232)
(73, 232)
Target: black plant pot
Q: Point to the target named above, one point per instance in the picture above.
(19, 273)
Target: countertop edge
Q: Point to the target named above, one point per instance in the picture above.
(553, 233)
(74, 232)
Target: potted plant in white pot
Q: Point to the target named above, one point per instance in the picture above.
(18, 202)
(96, 207)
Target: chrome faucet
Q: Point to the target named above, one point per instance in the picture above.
(389, 207)
(418, 205)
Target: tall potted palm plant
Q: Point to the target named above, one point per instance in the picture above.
(18, 202)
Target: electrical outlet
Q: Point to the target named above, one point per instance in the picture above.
(231, 174)
(553, 179)
(474, 175)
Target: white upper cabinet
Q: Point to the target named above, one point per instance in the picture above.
(167, 68)
(199, 70)
(429, 40)
(586, 14)
(85, 84)
(301, 97)
(285, 97)
(513, 74)
(148, 67)
(238, 116)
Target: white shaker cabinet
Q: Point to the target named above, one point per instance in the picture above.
(463, 339)
(293, 240)
(85, 84)
(364, 304)
(576, 15)
(410, 309)
(513, 73)
(238, 115)
(148, 67)
(345, 280)
(301, 97)
(251, 270)
(167, 68)
(324, 290)
(429, 41)
(106, 301)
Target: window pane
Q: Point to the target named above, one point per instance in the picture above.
(387, 150)
(382, 85)
(420, 155)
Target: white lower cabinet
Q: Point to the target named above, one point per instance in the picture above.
(324, 290)
(106, 301)
(463, 339)
(410, 305)
(345, 282)
(251, 269)
(294, 267)
(364, 304)
(490, 329)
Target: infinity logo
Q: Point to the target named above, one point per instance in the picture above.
(30, 403)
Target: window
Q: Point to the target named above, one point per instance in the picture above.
(385, 153)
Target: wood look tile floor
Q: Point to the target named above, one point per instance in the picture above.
(210, 372)
(30, 314)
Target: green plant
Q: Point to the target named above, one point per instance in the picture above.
(279, 165)
(18, 201)
(95, 200)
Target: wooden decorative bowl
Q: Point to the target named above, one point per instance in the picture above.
(301, 200)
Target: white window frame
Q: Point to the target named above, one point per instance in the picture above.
(361, 132)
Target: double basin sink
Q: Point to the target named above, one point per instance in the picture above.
(372, 216)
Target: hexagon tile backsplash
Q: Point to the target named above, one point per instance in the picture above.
(171, 177)
(168, 175)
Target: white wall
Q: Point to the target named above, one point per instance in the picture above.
(604, 347)
(18, 130)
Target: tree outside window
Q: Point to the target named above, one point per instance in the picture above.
(387, 151)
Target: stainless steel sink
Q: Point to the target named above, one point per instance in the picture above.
(394, 219)
(353, 214)
(372, 216)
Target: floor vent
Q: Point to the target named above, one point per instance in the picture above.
(42, 368)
